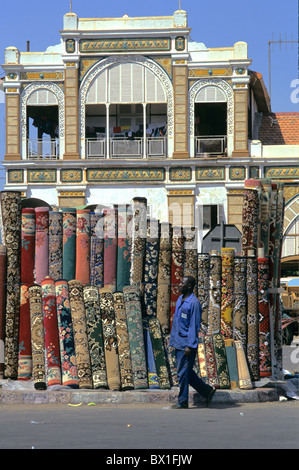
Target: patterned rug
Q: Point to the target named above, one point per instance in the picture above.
(52, 347)
(190, 263)
(240, 304)
(164, 277)
(41, 243)
(124, 355)
(55, 244)
(265, 363)
(2, 302)
(221, 361)
(177, 268)
(27, 245)
(227, 291)
(96, 250)
(37, 338)
(150, 274)
(211, 364)
(66, 336)
(214, 313)
(265, 212)
(80, 334)
(250, 215)
(159, 352)
(83, 246)
(25, 351)
(232, 364)
(110, 248)
(243, 370)
(171, 361)
(69, 244)
(202, 361)
(252, 317)
(203, 288)
(11, 226)
(123, 249)
(150, 359)
(95, 336)
(110, 338)
(135, 329)
(139, 228)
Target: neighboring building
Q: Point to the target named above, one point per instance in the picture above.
(127, 107)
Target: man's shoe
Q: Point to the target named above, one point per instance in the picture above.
(210, 397)
(178, 406)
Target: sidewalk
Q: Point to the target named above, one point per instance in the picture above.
(60, 395)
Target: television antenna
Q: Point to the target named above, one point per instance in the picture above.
(280, 42)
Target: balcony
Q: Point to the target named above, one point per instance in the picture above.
(42, 149)
(121, 147)
(210, 146)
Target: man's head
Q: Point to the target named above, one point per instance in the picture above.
(187, 285)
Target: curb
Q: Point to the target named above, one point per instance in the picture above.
(166, 397)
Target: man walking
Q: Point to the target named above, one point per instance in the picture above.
(184, 338)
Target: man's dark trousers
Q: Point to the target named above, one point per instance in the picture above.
(187, 376)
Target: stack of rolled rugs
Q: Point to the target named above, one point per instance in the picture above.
(87, 299)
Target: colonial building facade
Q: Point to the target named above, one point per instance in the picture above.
(127, 107)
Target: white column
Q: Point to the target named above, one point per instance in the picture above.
(144, 130)
(107, 131)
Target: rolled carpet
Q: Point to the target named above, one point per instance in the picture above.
(150, 275)
(190, 261)
(25, 351)
(211, 365)
(11, 223)
(80, 334)
(68, 358)
(265, 362)
(153, 381)
(110, 338)
(135, 329)
(250, 215)
(265, 213)
(37, 338)
(159, 352)
(95, 336)
(27, 245)
(243, 370)
(52, 347)
(69, 244)
(203, 263)
(41, 243)
(96, 250)
(240, 304)
(171, 361)
(83, 246)
(55, 244)
(177, 268)
(110, 248)
(231, 356)
(138, 233)
(202, 362)
(164, 277)
(124, 355)
(221, 361)
(252, 317)
(227, 291)
(2, 302)
(214, 315)
(123, 248)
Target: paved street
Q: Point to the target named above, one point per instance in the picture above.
(272, 425)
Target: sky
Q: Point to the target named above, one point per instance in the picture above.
(216, 24)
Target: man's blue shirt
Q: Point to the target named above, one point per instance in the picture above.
(186, 323)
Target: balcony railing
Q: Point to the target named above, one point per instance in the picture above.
(206, 146)
(120, 147)
(40, 149)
